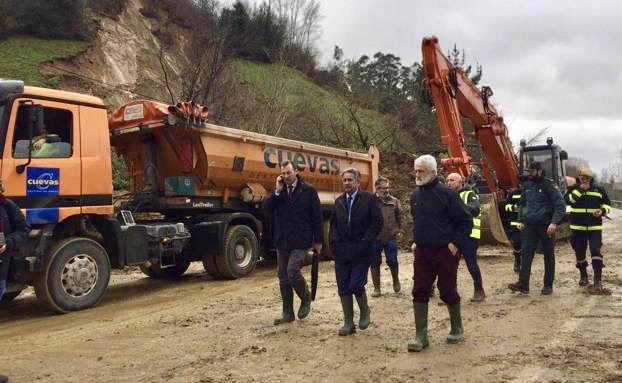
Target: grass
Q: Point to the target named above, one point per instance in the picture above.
(301, 95)
(21, 57)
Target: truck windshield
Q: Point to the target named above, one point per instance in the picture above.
(543, 156)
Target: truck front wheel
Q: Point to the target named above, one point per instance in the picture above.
(73, 276)
(240, 253)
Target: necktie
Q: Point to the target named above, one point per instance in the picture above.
(290, 191)
(349, 199)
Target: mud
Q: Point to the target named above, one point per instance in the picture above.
(198, 329)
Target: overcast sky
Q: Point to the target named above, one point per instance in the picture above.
(549, 63)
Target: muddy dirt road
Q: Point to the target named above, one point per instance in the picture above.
(201, 330)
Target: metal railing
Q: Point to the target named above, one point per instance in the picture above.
(616, 204)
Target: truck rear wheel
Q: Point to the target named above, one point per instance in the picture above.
(209, 264)
(155, 271)
(74, 275)
(240, 253)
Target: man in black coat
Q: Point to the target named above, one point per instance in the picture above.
(355, 224)
(297, 227)
(441, 227)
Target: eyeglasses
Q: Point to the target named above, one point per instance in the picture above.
(584, 178)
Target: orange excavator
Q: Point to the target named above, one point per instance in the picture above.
(454, 95)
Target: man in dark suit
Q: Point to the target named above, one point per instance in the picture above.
(297, 227)
(355, 224)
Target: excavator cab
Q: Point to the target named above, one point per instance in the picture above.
(551, 157)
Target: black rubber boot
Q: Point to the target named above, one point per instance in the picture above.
(478, 294)
(583, 281)
(4, 379)
(456, 334)
(302, 290)
(365, 311)
(598, 275)
(516, 261)
(518, 287)
(421, 324)
(287, 295)
(395, 273)
(347, 304)
(375, 278)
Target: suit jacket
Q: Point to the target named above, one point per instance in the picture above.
(353, 241)
(296, 219)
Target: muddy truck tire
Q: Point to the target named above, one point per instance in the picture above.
(240, 253)
(73, 276)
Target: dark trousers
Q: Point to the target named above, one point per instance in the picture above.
(289, 265)
(515, 238)
(390, 252)
(531, 236)
(470, 257)
(430, 262)
(351, 277)
(580, 241)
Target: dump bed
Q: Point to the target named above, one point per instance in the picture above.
(194, 158)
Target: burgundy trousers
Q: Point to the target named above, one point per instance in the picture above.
(432, 262)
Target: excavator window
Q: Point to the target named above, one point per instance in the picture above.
(55, 142)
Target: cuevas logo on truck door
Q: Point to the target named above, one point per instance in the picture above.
(42, 182)
(302, 161)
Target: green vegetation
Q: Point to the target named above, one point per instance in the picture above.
(315, 114)
(20, 58)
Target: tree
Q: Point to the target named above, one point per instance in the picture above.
(457, 59)
(573, 164)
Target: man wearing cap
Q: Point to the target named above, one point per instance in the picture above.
(588, 203)
(541, 210)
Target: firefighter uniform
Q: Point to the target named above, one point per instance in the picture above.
(511, 208)
(587, 206)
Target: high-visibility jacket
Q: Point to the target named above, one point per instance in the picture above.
(513, 199)
(471, 200)
(583, 204)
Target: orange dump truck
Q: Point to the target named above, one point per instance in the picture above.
(196, 190)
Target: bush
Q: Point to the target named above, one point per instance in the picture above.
(45, 18)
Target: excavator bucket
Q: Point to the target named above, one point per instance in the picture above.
(493, 232)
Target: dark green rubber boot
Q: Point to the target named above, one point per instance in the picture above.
(375, 278)
(365, 311)
(421, 324)
(287, 295)
(303, 292)
(395, 274)
(347, 304)
(456, 334)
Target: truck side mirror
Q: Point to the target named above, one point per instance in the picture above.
(563, 155)
(35, 128)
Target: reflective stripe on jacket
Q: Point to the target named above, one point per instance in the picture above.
(471, 200)
(583, 204)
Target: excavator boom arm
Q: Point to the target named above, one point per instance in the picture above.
(454, 94)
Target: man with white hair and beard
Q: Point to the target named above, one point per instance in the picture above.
(441, 228)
